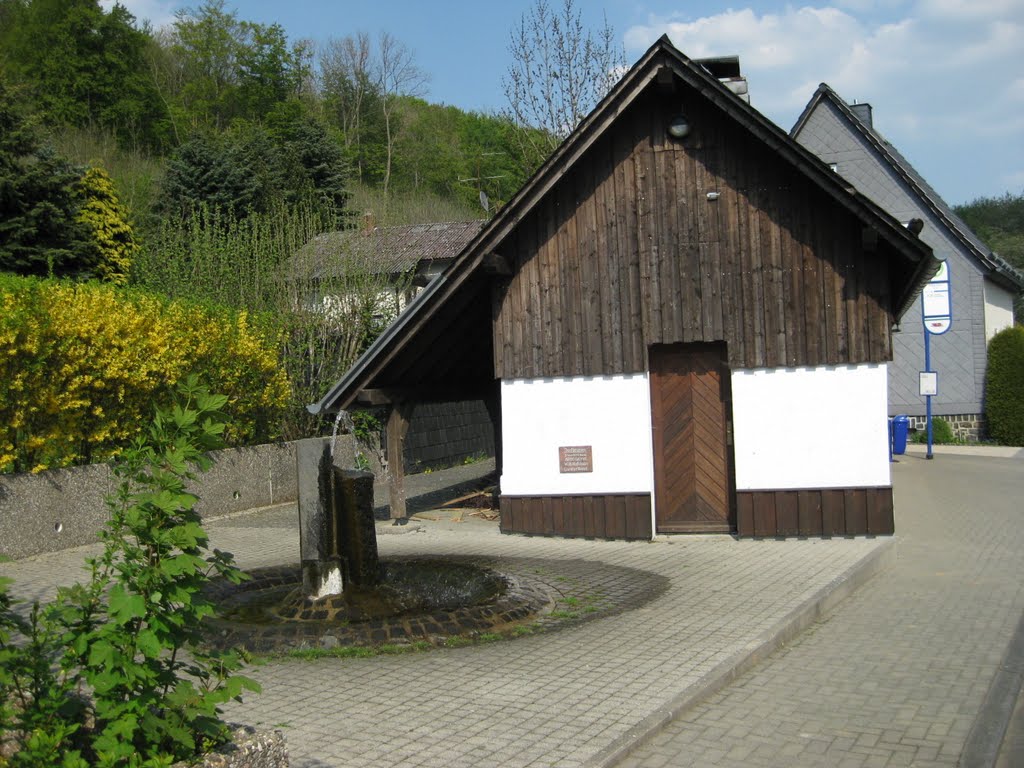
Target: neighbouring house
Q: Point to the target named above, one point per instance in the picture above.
(681, 323)
(399, 261)
(983, 286)
(405, 258)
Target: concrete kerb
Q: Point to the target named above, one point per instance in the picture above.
(745, 659)
(989, 730)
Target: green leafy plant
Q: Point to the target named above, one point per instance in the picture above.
(942, 433)
(131, 634)
(1004, 386)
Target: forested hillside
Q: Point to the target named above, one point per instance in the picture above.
(999, 222)
(220, 111)
(190, 164)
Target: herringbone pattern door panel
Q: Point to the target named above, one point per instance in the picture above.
(691, 460)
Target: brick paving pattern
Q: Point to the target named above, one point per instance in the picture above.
(896, 675)
(925, 637)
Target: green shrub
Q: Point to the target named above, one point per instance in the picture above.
(1004, 386)
(131, 634)
(942, 433)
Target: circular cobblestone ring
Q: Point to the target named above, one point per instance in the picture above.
(543, 594)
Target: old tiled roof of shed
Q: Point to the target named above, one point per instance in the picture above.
(385, 250)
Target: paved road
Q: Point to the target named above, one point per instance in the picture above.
(898, 673)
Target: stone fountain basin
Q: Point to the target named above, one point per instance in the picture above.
(419, 600)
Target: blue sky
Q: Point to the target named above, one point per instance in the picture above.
(945, 77)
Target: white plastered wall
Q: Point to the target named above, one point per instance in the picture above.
(612, 414)
(998, 309)
(821, 427)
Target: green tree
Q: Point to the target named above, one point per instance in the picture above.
(40, 233)
(1004, 386)
(217, 68)
(234, 173)
(84, 66)
(113, 237)
(999, 222)
(252, 167)
(458, 154)
(312, 160)
(350, 94)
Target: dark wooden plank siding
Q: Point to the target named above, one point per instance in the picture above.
(619, 516)
(628, 251)
(815, 512)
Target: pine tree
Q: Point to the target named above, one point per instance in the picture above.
(39, 230)
(107, 220)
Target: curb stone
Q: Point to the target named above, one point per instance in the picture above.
(785, 630)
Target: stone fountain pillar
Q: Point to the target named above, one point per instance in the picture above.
(337, 535)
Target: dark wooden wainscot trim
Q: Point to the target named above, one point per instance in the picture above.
(819, 512)
(626, 516)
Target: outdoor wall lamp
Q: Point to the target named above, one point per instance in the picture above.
(679, 128)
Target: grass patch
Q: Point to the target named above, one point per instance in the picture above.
(354, 651)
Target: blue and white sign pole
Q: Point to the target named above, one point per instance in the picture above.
(937, 317)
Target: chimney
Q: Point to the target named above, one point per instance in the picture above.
(727, 70)
(369, 223)
(863, 113)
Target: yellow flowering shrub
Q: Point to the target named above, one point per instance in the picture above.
(82, 364)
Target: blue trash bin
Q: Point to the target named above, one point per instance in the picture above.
(899, 427)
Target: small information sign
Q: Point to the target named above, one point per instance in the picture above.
(575, 458)
(928, 383)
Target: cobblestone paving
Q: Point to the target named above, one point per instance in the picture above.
(551, 699)
(894, 676)
(897, 673)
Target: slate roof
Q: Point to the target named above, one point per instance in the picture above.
(463, 275)
(999, 269)
(384, 250)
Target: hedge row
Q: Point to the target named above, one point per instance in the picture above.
(1004, 386)
(82, 364)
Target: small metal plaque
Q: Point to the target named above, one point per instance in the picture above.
(575, 458)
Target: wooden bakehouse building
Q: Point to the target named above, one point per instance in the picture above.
(681, 323)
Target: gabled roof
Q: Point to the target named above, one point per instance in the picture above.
(661, 60)
(998, 269)
(384, 250)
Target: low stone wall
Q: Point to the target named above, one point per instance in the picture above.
(63, 508)
(969, 427)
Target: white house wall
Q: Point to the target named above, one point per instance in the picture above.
(611, 414)
(822, 427)
(998, 309)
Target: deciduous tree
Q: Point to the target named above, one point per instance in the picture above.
(560, 70)
(84, 66)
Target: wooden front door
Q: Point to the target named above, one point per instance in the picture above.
(689, 419)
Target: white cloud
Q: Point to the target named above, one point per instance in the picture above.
(960, 10)
(945, 76)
